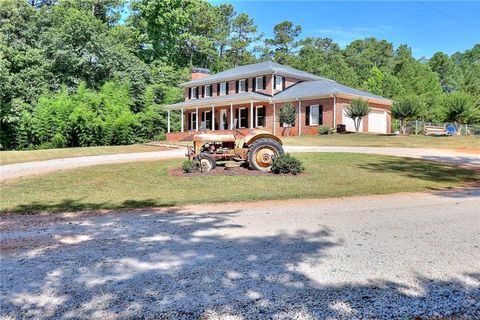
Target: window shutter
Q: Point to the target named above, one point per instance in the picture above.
(307, 116)
(283, 83)
(237, 116)
(264, 82)
(237, 85)
(247, 118)
(320, 115)
(189, 93)
(203, 91)
(226, 88)
(246, 85)
(218, 89)
(254, 84)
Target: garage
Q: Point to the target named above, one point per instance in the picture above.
(377, 121)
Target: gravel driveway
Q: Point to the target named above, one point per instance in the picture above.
(12, 171)
(395, 256)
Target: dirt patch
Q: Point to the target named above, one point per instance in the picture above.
(475, 151)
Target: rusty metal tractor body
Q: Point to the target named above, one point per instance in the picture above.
(257, 147)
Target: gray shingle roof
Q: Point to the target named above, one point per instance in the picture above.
(253, 70)
(319, 88)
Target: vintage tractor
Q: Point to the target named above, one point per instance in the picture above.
(257, 147)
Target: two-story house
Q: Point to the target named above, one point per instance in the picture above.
(249, 97)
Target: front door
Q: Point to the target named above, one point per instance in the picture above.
(223, 119)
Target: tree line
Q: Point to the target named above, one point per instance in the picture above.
(98, 72)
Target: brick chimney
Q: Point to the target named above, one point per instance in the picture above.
(199, 73)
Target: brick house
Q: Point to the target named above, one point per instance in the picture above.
(249, 96)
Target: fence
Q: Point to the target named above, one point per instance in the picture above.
(417, 127)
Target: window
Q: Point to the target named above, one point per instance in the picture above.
(314, 115)
(260, 116)
(193, 93)
(193, 121)
(223, 88)
(242, 118)
(278, 83)
(207, 120)
(242, 85)
(259, 83)
(208, 90)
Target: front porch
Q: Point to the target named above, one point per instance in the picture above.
(225, 118)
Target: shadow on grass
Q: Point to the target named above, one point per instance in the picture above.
(177, 266)
(424, 170)
(79, 205)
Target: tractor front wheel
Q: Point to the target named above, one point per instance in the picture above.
(207, 162)
(262, 152)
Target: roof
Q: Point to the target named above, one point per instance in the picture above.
(311, 89)
(254, 69)
(244, 96)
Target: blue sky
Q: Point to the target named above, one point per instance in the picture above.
(426, 26)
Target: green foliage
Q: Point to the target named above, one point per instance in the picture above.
(189, 166)
(286, 163)
(284, 40)
(356, 110)
(287, 115)
(324, 130)
(406, 109)
(459, 108)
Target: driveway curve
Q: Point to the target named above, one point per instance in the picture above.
(17, 170)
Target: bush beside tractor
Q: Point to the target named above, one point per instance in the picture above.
(258, 148)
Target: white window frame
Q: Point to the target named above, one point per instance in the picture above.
(278, 87)
(209, 86)
(310, 115)
(193, 94)
(244, 81)
(257, 88)
(193, 118)
(240, 117)
(223, 86)
(256, 117)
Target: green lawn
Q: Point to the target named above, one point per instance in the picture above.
(146, 184)
(7, 157)
(470, 143)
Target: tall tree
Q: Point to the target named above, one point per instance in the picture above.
(284, 41)
(243, 37)
(445, 68)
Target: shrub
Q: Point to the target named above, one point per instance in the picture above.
(322, 130)
(287, 164)
(189, 166)
(406, 109)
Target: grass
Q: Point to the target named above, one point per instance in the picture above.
(147, 184)
(8, 157)
(468, 143)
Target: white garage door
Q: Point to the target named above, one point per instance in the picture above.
(350, 124)
(377, 121)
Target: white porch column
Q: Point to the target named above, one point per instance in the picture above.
(299, 117)
(183, 119)
(196, 122)
(274, 118)
(251, 114)
(213, 119)
(231, 116)
(168, 121)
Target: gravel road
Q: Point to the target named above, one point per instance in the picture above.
(391, 256)
(12, 171)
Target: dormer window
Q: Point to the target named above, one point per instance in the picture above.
(193, 93)
(278, 83)
(242, 85)
(223, 88)
(260, 83)
(208, 90)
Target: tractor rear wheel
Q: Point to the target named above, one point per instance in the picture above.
(262, 152)
(207, 162)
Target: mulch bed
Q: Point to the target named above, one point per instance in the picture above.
(220, 171)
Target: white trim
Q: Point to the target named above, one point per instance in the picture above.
(251, 114)
(275, 83)
(245, 85)
(183, 120)
(299, 117)
(193, 96)
(239, 122)
(220, 92)
(205, 91)
(213, 119)
(231, 116)
(191, 121)
(256, 117)
(196, 122)
(221, 125)
(168, 121)
(256, 83)
(274, 118)
(310, 122)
